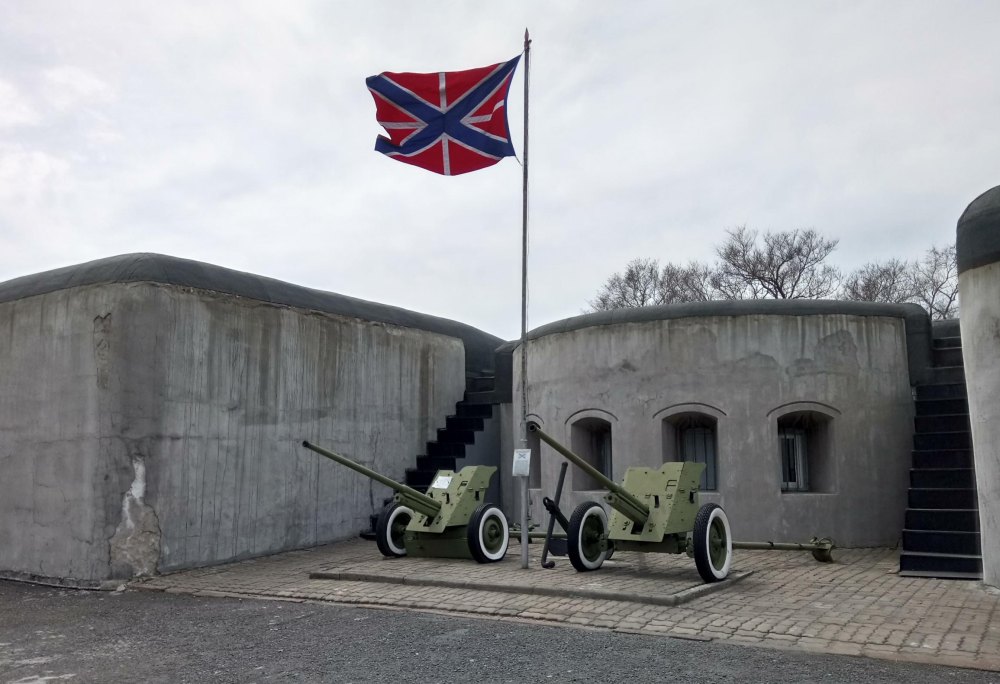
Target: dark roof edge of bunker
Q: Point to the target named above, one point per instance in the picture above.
(158, 268)
(912, 313)
(977, 240)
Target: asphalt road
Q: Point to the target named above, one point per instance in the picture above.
(55, 635)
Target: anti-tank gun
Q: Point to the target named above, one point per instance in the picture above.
(452, 520)
(652, 511)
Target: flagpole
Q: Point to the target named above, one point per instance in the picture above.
(524, 308)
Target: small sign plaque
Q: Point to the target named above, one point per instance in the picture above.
(441, 482)
(522, 462)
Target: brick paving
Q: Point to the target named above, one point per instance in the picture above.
(857, 605)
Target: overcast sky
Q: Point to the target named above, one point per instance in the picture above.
(241, 134)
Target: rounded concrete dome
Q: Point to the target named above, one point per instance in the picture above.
(978, 240)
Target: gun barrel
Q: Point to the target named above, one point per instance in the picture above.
(410, 494)
(636, 507)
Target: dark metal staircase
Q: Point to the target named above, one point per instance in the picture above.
(459, 431)
(941, 531)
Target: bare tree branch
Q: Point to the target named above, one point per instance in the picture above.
(935, 282)
(789, 265)
(890, 282)
(637, 285)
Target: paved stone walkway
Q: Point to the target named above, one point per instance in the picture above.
(857, 605)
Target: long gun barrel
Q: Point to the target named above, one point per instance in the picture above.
(619, 499)
(406, 495)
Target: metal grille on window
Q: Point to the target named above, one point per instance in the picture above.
(698, 444)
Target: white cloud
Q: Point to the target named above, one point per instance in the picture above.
(242, 135)
(14, 107)
(66, 86)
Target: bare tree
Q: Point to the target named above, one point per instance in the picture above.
(691, 283)
(789, 265)
(637, 285)
(934, 281)
(891, 282)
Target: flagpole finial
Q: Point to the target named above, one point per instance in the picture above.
(527, 40)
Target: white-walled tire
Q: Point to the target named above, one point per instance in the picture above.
(588, 526)
(713, 543)
(391, 529)
(488, 534)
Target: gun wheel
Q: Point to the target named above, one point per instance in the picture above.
(588, 527)
(488, 534)
(713, 543)
(391, 528)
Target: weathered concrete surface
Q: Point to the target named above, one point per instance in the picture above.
(978, 249)
(149, 427)
(746, 371)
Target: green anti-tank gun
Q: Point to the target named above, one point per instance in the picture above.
(654, 510)
(452, 520)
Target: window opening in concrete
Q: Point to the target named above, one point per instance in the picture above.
(692, 437)
(804, 452)
(591, 440)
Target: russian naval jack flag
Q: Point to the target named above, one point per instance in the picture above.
(450, 122)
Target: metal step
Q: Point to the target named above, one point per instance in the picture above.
(942, 478)
(454, 449)
(947, 342)
(941, 407)
(480, 384)
(452, 435)
(955, 422)
(948, 374)
(947, 542)
(942, 519)
(435, 463)
(474, 423)
(937, 563)
(943, 458)
(946, 356)
(943, 498)
(466, 410)
(926, 441)
(942, 390)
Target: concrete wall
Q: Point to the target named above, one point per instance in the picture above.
(978, 249)
(746, 369)
(148, 427)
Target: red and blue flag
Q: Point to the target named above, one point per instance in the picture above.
(450, 122)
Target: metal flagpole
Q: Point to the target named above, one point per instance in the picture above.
(524, 309)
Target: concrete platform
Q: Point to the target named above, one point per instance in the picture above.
(857, 605)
